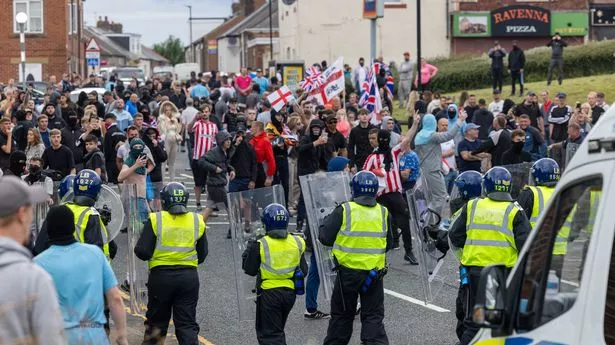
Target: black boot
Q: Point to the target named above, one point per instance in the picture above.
(410, 258)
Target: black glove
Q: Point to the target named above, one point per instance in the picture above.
(105, 215)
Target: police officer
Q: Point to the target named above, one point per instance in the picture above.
(277, 260)
(490, 230)
(174, 243)
(533, 199)
(469, 186)
(89, 227)
(360, 232)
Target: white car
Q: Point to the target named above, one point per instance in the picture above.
(555, 298)
(74, 95)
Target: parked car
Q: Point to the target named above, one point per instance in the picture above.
(125, 74)
(74, 95)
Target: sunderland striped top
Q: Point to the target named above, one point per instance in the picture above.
(390, 182)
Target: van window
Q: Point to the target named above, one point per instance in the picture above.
(609, 305)
(554, 267)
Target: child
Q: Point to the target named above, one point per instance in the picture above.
(94, 158)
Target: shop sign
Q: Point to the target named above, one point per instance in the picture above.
(520, 20)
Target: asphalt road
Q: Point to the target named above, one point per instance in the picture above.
(407, 319)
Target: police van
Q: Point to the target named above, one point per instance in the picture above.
(562, 289)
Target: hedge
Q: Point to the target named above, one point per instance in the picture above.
(474, 73)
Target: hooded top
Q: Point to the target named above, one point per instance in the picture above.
(384, 148)
(452, 120)
(429, 127)
(316, 123)
(133, 155)
(221, 137)
(28, 286)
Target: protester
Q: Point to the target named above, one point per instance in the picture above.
(217, 163)
(497, 106)
(530, 108)
(469, 144)
(7, 144)
(516, 154)
(134, 170)
(499, 141)
(449, 161)
(497, 54)
(558, 118)
(557, 45)
(596, 109)
(516, 63)
(59, 157)
(535, 144)
(204, 132)
(358, 142)
(570, 145)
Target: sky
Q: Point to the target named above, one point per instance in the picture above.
(155, 20)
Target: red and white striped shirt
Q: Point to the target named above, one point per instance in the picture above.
(390, 181)
(204, 138)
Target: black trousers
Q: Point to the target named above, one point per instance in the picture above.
(498, 78)
(176, 292)
(346, 292)
(515, 76)
(559, 62)
(272, 309)
(398, 208)
(281, 176)
(467, 294)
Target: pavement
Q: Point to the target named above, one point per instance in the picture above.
(408, 319)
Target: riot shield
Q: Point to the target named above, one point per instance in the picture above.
(109, 206)
(322, 192)
(245, 209)
(434, 268)
(138, 270)
(520, 177)
(38, 216)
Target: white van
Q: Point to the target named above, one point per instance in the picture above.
(566, 296)
(164, 72)
(183, 70)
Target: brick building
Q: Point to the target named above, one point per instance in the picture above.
(602, 19)
(477, 24)
(53, 38)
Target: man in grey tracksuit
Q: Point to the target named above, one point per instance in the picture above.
(405, 80)
(557, 45)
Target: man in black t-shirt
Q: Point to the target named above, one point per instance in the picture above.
(558, 119)
(230, 118)
(336, 144)
(59, 157)
(596, 110)
(531, 109)
(7, 144)
(470, 142)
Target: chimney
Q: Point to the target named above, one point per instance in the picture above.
(236, 9)
(248, 7)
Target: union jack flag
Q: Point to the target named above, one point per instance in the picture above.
(370, 96)
(313, 79)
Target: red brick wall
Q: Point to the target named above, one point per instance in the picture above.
(482, 45)
(48, 48)
(559, 5)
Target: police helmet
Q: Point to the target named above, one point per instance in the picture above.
(364, 183)
(66, 185)
(275, 219)
(86, 187)
(545, 172)
(497, 180)
(174, 198)
(469, 184)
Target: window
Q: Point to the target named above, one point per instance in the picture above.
(34, 10)
(73, 18)
(562, 242)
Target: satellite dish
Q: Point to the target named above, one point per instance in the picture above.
(288, 2)
(109, 198)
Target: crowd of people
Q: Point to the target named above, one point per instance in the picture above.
(235, 140)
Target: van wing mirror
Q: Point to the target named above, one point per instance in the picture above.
(489, 309)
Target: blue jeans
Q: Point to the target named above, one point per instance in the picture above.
(143, 209)
(238, 185)
(449, 180)
(312, 285)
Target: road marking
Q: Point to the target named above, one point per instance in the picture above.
(416, 301)
(185, 175)
(570, 283)
(125, 296)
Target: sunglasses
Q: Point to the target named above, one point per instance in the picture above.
(332, 122)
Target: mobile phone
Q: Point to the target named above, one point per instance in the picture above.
(143, 155)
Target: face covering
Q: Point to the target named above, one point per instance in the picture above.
(35, 170)
(518, 147)
(73, 121)
(451, 114)
(136, 149)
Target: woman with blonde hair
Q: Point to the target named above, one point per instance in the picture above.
(35, 147)
(170, 127)
(343, 126)
(90, 111)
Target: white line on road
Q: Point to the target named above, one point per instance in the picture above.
(416, 301)
(570, 283)
(185, 175)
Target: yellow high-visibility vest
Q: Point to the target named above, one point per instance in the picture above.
(176, 237)
(82, 217)
(280, 257)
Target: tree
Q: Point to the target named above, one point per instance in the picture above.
(172, 49)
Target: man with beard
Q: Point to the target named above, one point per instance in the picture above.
(93, 99)
(55, 122)
(113, 137)
(471, 108)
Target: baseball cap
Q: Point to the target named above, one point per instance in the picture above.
(531, 93)
(471, 126)
(15, 193)
(240, 129)
(560, 95)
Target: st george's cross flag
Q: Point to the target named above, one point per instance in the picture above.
(280, 97)
(333, 85)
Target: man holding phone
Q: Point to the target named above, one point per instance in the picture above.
(557, 45)
(134, 170)
(497, 54)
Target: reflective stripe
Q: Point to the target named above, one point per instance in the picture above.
(159, 244)
(359, 250)
(349, 233)
(561, 239)
(541, 204)
(488, 243)
(267, 264)
(78, 224)
(363, 234)
(490, 227)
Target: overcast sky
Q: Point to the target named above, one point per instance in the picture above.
(155, 20)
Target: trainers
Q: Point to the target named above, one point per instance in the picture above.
(125, 286)
(396, 245)
(317, 315)
(358, 312)
(410, 258)
(199, 208)
(228, 234)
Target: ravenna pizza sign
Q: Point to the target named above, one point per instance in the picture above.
(520, 20)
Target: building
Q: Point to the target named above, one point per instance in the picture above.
(53, 38)
(248, 43)
(324, 30)
(111, 54)
(602, 19)
(206, 47)
(477, 24)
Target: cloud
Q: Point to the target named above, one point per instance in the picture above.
(155, 20)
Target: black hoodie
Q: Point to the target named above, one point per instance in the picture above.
(311, 158)
(358, 145)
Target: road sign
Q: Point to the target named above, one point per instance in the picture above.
(92, 54)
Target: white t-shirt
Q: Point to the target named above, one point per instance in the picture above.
(450, 161)
(496, 107)
(187, 116)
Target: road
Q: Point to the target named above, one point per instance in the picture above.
(407, 319)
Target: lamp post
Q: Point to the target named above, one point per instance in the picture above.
(190, 20)
(21, 19)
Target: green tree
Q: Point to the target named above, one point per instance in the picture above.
(172, 49)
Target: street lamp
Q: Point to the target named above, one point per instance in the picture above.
(21, 19)
(190, 21)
